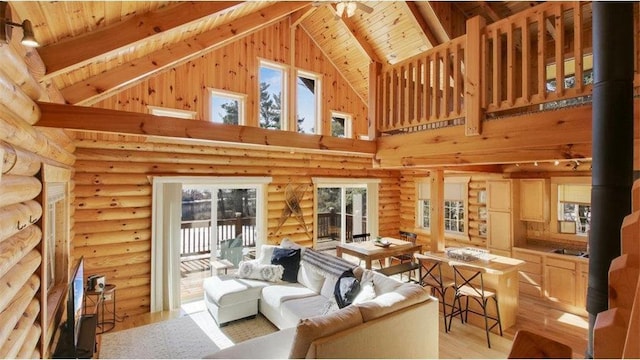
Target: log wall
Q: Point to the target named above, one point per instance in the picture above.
(113, 197)
(26, 328)
(234, 67)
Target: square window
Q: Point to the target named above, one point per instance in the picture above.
(226, 107)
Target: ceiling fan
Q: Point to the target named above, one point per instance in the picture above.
(347, 8)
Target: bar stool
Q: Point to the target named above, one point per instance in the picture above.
(469, 283)
(433, 278)
(406, 236)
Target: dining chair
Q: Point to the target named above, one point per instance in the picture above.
(469, 283)
(430, 274)
(360, 237)
(406, 236)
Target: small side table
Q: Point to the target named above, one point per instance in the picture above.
(108, 294)
(220, 264)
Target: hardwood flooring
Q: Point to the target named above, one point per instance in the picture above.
(464, 341)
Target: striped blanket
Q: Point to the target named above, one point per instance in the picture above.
(325, 264)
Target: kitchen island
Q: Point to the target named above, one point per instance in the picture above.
(501, 276)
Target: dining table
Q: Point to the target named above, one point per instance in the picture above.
(372, 250)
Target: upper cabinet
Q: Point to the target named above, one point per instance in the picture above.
(534, 200)
(499, 195)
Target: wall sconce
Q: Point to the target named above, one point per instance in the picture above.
(28, 39)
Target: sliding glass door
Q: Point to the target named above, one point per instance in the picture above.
(343, 209)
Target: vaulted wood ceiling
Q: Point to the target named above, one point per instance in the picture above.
(91, 49)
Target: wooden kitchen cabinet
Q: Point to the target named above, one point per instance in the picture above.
(560, 281)
(499, 226)
(582, 285)
(530, 274)
(534, 200)
(499, 195)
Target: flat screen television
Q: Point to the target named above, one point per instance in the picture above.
(75, 301)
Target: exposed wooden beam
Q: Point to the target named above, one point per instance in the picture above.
(103, 85)
(299, 16)
(67, 55)
(491, 13)
(97, 119)
(556, 134)
(441, 25)
(422, 24)
(360, 40)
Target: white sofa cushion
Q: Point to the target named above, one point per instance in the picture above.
(404, 296)
(266, 252)
(381, 283)
(228, 290)
(275, 295)
(318, 326)
(303, 308)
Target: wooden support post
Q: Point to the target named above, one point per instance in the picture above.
(375, 100)
(436, 222)
(472, 85)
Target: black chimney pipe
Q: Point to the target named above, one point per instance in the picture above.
(612, 167)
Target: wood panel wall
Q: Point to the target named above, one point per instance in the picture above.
(113, 197)
(235, 68)
(26, 309)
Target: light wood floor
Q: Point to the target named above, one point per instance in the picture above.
(466, 341)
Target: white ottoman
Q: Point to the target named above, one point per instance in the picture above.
(229, 298)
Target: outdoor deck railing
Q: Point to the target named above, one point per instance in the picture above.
(195, 235)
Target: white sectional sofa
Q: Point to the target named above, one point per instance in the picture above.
(389, 319)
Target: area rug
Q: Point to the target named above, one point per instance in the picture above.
(187, 337)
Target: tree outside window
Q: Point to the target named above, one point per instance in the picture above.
(272, 80)
(226, 107)
(341, 125)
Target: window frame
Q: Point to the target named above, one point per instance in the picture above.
(284, 106)
(171, 112)
(348, 123)
(423, 194)
(554, 226)
(239, 97)
(318, 100)
(464, 183)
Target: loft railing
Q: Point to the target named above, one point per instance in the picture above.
(538, 56)
(425, 88)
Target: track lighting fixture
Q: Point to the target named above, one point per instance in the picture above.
(28, 38)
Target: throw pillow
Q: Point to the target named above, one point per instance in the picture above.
(347, 287)
(290, 260)
(367, 292)
(255, 270)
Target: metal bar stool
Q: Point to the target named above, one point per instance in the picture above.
(430, 273)
(469, 283)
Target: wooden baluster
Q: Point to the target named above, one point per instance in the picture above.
(526, 65)
(436, 85)
(559, 25)
(542, 63)
(457, 81)
(577, 46)
(394, 99)
(406, 96)
(497, 68)
(417, 91)
(511, 68)
(427, 89)
(386, 82)
(446, 82)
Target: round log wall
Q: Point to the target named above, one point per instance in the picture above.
(113, 198)
(23, 149)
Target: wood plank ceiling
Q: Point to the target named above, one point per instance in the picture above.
(91, 49)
